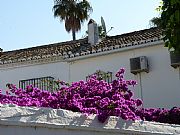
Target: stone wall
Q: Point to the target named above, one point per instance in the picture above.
(16, 120)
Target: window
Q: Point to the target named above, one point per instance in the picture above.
(101, 75)
(43, 83)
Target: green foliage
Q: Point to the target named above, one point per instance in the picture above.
(155, 22)
(159, 8)
(102, 32)
(170, 23)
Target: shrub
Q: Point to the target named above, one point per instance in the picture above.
(92, 97)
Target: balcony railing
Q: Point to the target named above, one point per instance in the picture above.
(43, 83)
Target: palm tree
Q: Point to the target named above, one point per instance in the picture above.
(73, 13)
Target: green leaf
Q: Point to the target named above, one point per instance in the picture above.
(177, 16)
(173, 2)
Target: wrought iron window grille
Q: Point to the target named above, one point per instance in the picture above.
(101, 75)
(43, 83)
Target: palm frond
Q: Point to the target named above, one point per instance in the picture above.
(72, 12)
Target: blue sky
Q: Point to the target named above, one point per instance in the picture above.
(28, 23)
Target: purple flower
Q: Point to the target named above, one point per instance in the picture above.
(93, 97)
(138, 102)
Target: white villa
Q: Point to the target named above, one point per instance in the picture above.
(141, 53)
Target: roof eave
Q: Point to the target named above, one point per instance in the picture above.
(159, 42)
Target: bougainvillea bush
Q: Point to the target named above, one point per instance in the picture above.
(92, 97)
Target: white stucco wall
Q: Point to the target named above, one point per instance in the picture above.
(16, 120)
(160, 87)
(57, 70)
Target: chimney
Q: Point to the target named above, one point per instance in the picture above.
(93, 34)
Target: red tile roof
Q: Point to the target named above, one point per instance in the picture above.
(81, 47)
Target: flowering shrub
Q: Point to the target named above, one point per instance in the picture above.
(92, 97)
(171, 116)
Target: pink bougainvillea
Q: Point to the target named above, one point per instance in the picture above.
(92, 97)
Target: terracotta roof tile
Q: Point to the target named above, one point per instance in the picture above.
(81, 47)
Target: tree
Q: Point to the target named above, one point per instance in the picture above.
(102, 32)
(155, 22)
(170, 23)
(73, 13)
